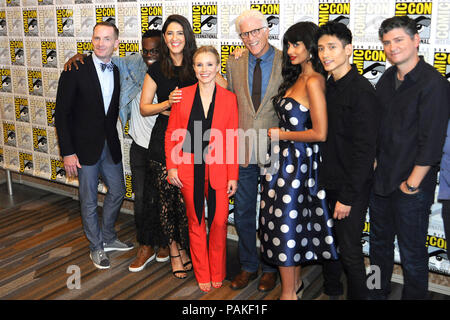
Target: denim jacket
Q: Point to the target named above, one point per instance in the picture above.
(132, 73)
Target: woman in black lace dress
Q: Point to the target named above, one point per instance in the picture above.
(164, 203)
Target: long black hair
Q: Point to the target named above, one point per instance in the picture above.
(305, 32)
(167, 66)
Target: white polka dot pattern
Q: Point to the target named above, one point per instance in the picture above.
(295, 223)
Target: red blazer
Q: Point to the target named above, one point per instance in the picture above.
(223, 145)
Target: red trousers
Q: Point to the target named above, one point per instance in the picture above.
(209, 262)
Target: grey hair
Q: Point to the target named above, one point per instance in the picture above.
(250, 13)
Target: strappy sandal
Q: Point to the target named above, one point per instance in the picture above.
(186, 263)
(217, 285)
(175, 272)
(300, 290)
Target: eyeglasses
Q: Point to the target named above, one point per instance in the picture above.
(254, 33)
(153, 51)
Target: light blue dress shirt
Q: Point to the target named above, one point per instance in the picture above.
(266, 69)
(106, 79)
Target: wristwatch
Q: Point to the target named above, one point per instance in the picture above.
(410, 188)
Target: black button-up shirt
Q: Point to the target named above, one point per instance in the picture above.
(413, 126)
(348, 153)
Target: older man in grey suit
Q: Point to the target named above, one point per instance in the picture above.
(254, 78)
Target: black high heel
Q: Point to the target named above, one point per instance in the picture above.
(186, 263)
(300, 290)
(175, 272)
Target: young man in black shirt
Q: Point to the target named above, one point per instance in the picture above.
(348, 156)
(414, 109)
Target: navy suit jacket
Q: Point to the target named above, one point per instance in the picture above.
(80, 119)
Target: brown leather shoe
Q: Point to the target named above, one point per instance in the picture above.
(242, 279)
(163, 254)
(268, 281)
(145, 254)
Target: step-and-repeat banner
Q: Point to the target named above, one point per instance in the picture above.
(38, 36)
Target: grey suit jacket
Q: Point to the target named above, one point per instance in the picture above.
(253, 125)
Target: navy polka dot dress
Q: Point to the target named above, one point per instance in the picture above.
(295, 222)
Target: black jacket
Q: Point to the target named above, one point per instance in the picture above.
(413, 126)
(348, 154)
(80, 119)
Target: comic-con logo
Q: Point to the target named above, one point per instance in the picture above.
(48, 54)
(17, 52)
(40, 141)
(335, 11)
(9, 134)
(25, 162)
(370, 63)
(442, 23)
(50, 110)
(204, 20)
(64, 22)
(6, 84)
(58, 171)
(225, 50)
(85, 47)
(151, 18)
(13, 3)
(128, 48)
(128, 186)
(272, 13)
(35, 83)
(30, 23)
(421, 13)
(442, 63)
(3, 26)
(22, 109)
(105, 14)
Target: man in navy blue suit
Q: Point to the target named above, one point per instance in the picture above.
(87, 108)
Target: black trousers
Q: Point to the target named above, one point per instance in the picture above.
(446, 218)
(348, 233)
(143, 220)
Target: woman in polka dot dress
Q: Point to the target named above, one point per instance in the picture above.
(295, 223)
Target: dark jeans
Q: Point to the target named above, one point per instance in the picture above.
(407, 217)
(245, 219)
(138, 164)
(351, 258)
(446, 218)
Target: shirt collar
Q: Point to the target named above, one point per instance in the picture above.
(415, 73)
(345, 80)
(264, 57)
(97, 61)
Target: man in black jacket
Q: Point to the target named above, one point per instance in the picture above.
(348, 156)
(414, 107)
(87, 108)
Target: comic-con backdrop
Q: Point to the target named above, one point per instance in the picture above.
(38, 36)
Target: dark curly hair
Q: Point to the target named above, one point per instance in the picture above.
(305, 32)
(167, 66)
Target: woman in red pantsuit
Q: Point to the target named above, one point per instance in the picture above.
(201, 158)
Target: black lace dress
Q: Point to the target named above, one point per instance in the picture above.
(161, 199)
